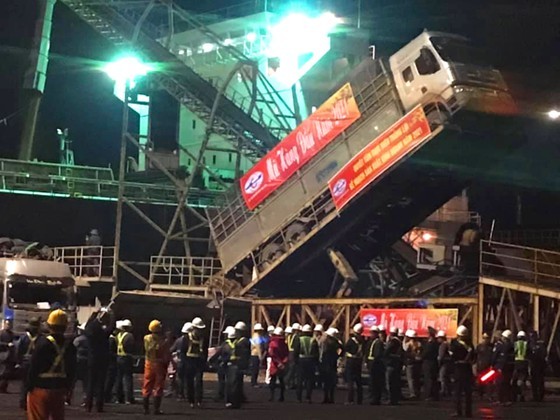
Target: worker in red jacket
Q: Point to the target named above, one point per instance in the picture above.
(278, 353)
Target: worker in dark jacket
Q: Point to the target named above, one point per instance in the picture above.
(445, 364)
(430, 352)
(484, 352)
(220, 360)
(7, 354)
(98, 330)
(293, 347)
(237, 366)
(354, 354)
(195, 349)
(332, 349)
(393, 365)
(181, 358)
(26, 346)
(308, 360)
(462, 354)
(125, 349)
(503, 361)
(376, 368)
(51, 371)
(82, 353)
(538, 363)
(111, 377)
(413, 362)
(521, 366)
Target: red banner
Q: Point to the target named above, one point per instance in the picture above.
(377, 157)
(412, 319)
(318, 130)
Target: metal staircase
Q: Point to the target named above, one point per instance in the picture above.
(243, 123)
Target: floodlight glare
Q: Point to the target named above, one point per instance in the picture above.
(553, 114)
(127, 69)
(207, 47)
(228, 41)
(251, 37)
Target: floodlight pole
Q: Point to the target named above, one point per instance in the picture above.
(120, 199)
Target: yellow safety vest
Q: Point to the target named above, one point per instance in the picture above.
(520, 350)
(291, 339)
(57, 369)
(358, 354)
(151, 347)
(371, 348)
(31, 346)
(233, 344)
(120, 344)
(306, 344)
(195, 346)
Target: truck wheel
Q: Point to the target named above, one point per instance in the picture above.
(270, 253)
(437, 117)
(296, 232)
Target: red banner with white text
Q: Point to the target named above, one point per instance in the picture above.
(312, 135)
(377, 157)
(412, 319)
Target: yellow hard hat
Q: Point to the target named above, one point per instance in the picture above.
(155, 326)
(58, 318)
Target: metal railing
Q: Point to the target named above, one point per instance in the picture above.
(87, 261)
(183, 271)
(540, 238)
(460, 216)
(539, 267)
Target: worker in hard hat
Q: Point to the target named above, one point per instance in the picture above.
(375, 350)
(319, 337)
(279, 355)
(445, 364)
(51, 371)
(354, 357)
(538, 362)
(25, 349)
(293, 347)
(308, 359)
(393, 365)
(332, 350)
(81, 344)
(413, 361)
(382, 333)
(111, 378)
(220, 360)
(463, 357)
(237, 366)
(503, 361)
(158, 354)
(484, 352)
(521, 367)
(195, 349)
(180, 358)
(430, 368)
(125, 350)
(269, 331)
(98, 330)
(258, 352)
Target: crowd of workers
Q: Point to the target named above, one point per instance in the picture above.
(302, 358)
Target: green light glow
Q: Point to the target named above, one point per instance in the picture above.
(127, 69)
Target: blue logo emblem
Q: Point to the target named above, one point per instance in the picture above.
(339, 188)
(254, 182)
(370, 320)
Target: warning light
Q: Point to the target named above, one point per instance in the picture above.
(488, 376)
(427, 236)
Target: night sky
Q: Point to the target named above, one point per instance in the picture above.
(522, 39)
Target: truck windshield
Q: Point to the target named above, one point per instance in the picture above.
(455, 50)
(32, 292)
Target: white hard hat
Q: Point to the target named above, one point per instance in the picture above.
(296, 326)
(381, 328)
(462, 331)
(270, 328)
(521, 334)
(307, 328)
(374, 328)
(332, 331)
(410, 333)
(231, 332)
(228, 329)
(258, 327)
(126, 323)
(278, 331)
(318, 328)
(118, 325)
(288, 330)
(187, 326)
(506, 334)
(358, 328)
(198, 323)
(393, 330)
(240, 325)
(441, 334)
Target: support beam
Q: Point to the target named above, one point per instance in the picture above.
(553, 332)
(536, 313)
(499, 314)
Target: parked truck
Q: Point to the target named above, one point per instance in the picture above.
(439, 73)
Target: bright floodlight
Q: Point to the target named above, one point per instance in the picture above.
(427, 236)
(251, 37)
(207, 47)
(127, 69)
(553, 114)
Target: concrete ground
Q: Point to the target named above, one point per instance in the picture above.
(259, 408)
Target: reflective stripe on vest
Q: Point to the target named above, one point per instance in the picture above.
(371, 348)
(120, 344)
(520, 350)
(358, 354)
(233, 345)
(151, 347)
(195, 346)
(305, 350)
(291, 339)
(31, 346)
(57, 369)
